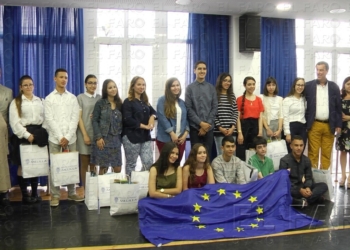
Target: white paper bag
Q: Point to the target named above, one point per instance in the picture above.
(64, 168)
(276, 150)
(250, 172)
(141, 178)
(104, 188)
(249, 153)
(124, 198)
(91, 191)
(320, 175)
(34, 160)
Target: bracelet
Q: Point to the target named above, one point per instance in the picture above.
(168, 195)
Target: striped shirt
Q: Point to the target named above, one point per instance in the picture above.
(227, 114)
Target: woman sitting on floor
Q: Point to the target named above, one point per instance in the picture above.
(197, 171)
(165, 177)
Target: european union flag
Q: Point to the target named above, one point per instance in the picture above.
(223, 211)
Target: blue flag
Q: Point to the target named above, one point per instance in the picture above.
(223, 211)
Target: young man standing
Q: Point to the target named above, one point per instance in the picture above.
(61, 116)
(201, 103)
(299, 166)
(228, 168)
(261, 162)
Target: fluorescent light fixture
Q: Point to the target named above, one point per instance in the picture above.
(183, 2)
(337, 11)
(284, 6)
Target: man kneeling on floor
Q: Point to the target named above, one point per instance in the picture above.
(303, 192)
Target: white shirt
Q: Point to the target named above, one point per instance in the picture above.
(293, 111)
(178, 119)
(272, 108)
(32, 114)
(322, 102)
(62, 116)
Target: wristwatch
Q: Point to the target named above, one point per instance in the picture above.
(162, 190)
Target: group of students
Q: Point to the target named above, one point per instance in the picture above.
(168, 179)
(97, 125)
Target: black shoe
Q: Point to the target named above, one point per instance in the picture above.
(28, 200)
(37, 198)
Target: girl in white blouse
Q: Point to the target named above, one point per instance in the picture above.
(294, 122)
(273, 113)
(26, 119)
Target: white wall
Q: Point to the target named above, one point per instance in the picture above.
(242, 64)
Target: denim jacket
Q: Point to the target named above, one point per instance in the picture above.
(165, 125)
(101, 119)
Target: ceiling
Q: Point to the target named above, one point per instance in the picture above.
(306, 9)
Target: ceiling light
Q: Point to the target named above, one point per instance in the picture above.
(183, 2)
(337, 11)
(283, 6)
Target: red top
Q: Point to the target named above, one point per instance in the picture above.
(252, 109)
(199, 181)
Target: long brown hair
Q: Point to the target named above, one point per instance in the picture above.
(243, 97)
(343, 91)
(219, 81)
(170, 98)
(192, 160)
(117, 100)
(18, 99)
(131, 92)
(292, 89)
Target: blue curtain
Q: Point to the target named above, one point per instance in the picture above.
(208, 40)
(278, 52)
(36, 42)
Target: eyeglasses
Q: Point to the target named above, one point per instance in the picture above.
(92, 83)
(27, 85)
(300, 85)
(227, 81)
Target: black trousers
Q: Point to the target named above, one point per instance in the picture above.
(206, 140)
(318, 189)
(297, 128)
(250, 129)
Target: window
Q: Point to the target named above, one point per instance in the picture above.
(149, 44)
(323, 40)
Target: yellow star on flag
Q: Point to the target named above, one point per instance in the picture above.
(201, 226)
(240, 229)
(253, 199)
(197, 207)
(205, 197)
(221, 191)
(259, 219)
(260, 210)
(219, 229)
(195, 218)
(254, 225)
(237, 194)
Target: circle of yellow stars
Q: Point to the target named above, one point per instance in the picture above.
(206, 197)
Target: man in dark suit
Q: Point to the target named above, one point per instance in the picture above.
(323, 116)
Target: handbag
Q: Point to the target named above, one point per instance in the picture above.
(141, 178)
(34, 160)
(124, 198)
(320, 175)
(276, 150)
(64, 168)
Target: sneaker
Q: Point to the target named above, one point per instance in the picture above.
(55, 201)
(304, 203)
(75, 197)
